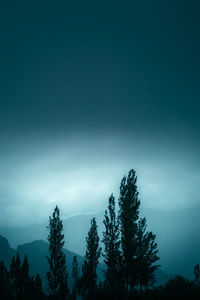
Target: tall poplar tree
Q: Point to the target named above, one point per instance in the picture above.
(128, 216)
(93, 252)
(57, 274)
(111, 240)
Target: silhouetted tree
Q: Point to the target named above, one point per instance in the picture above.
(22, 286)
(128, 215)
(38, 282)
(37, 291)
(75, 276)
(180, 288)
(5, 289)
(111, 240)
(93, 252)
(24, 279)
(15, 276)
(147, 255)
(197, 274)
(57, 275)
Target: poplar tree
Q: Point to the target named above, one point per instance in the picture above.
(93, 252)
(5, 291)
(25, 279)
(75, 277)
(38, 283)
(147, 255)
(111, 240)
(57, 274)
(15, 276)
(128, 216)
(37, 288)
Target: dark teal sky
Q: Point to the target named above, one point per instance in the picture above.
(130, 66)
(92, 89)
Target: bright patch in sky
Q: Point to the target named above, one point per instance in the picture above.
(80, 179)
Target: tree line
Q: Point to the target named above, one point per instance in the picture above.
(130, 255)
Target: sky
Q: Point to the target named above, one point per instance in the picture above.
(89, 90)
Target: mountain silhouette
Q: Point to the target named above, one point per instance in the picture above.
(37, 252)
(6, 252)
(178, 242)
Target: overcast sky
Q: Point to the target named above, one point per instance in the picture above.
(91, 90)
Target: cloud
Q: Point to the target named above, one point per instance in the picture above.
(79, 177)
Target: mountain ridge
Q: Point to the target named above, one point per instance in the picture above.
(37, 251)
(178, 243)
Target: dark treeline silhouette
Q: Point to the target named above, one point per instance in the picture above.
(17, 284)
(130, 254)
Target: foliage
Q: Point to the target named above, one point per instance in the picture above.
(197, 274)
(23, 287)
(128, 216)
(147, 255)
(88, 281)
(75, 277)
(5, 288)
(57, 274)
(111, 240)
(15, 276)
